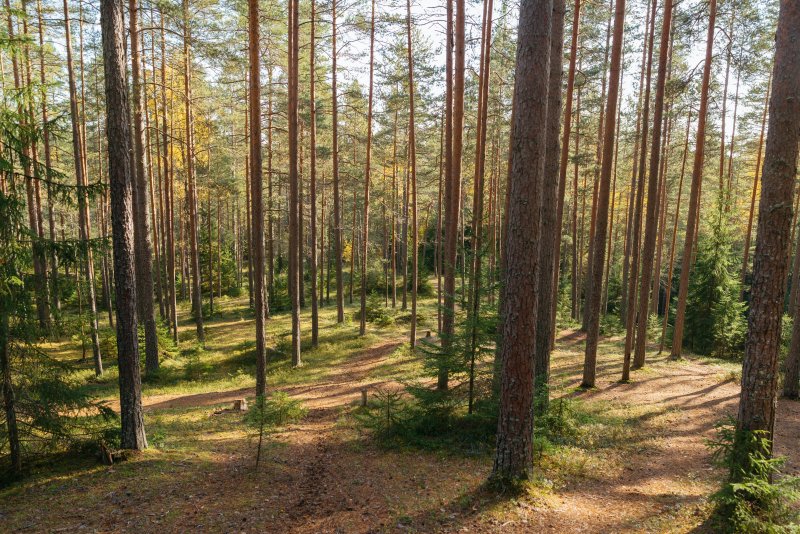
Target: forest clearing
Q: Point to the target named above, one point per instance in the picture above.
(641, 463)
(400, 266)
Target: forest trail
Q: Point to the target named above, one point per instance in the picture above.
(341, 388)
(651, 473)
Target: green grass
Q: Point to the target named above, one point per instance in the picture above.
(226, 361)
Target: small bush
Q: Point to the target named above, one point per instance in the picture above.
(377, 313)
(755, 498)
(267, 414)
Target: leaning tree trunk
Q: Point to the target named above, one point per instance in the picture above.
(771, 262)
(120, 176)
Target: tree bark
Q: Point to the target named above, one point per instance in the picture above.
(367, 178)
(651, 220)
(120, 175)
(758, 398)
(514, 454)
(694, 195)
(550, 231)
(197, 295)
(256, 192)
(294, 181)
(144, 251)
(596, 270)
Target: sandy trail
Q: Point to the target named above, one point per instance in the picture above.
(324, 477)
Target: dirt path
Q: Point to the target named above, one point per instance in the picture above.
(322, 476)
(661, 486)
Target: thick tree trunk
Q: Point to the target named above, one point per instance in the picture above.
(550, 231)
(120, 174)
(514, 454)
(770, 262)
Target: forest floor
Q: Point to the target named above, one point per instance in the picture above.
(640, 463)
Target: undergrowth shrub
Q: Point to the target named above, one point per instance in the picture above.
(377, 313)
(756, 497)
(54, 413)
(716, 322)
(268, 414)
(425, 418)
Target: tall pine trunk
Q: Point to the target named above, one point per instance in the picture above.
(514, 453)
(758, 398)
(120, 174)
(294, 181)
(651, 221)
(694, 196)
(191, 197)
(367, 178)
(256, 192)
(550, 231)
(144, 259)
(596, 269)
